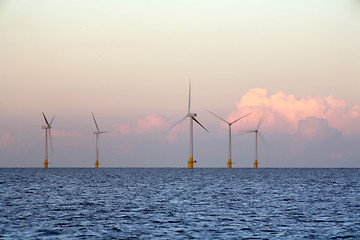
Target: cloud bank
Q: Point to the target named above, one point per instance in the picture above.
(150, 124)
(282, 112)
(315, 129)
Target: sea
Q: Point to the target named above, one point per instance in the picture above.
(179, 203)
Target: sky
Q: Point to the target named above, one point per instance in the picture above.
(294, 64)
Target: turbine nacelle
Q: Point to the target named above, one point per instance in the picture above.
(98, 132)
(45, 127)
(191, 114)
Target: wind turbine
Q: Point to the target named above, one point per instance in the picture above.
(192, 118)
(229, 164)
(98, 132)
(47, 131)
(257, 132)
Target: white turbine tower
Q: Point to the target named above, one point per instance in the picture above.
(47, 132)
(98, 132)
(229, 164)
(192, 118)
(257, 132)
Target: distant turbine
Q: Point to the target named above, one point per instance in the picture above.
(47, 131)
(256, 131)
(98, 132)
(229, 164)
(192, 118)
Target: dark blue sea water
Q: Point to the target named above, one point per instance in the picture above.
(168, 203)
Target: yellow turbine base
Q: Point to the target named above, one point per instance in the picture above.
(256, 164)
(97, 164)
(229, 164)
(46, 163)
(191, 163)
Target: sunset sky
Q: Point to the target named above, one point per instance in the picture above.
(294, 64)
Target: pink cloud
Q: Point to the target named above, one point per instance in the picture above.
(124, 129)
(151, 123)
(171, 137)
(282, 112)
(65, 133)
(337, 155)
(312, 129)
(6, 140)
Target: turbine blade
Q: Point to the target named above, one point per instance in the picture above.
(199, 123)
(52, 120)
(47, 123)
(189, 95)
(261, 135)
(240, 118)
(97, 127)
(259, 123)
(246, 131)
(51, 145)
(217, 116)
(178, 122)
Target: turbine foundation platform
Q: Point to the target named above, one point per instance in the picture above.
(191, 163)
(46, 163)
(229, 164)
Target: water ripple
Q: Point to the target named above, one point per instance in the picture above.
(180, 203)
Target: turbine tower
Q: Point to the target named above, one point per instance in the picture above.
(229, 164)
(98, 132)
(47, 132)
(257, 132)
(192, 117)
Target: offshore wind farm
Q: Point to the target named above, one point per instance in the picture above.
(277, 157)
(190, 115)
(243, 57)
